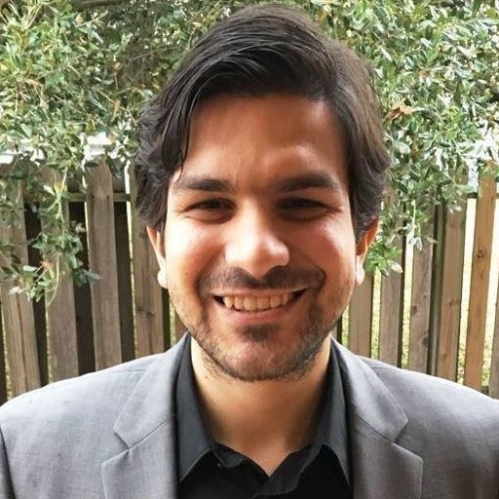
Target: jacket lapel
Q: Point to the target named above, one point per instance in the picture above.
(381, 467)
(147, 469)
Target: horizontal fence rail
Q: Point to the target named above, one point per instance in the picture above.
(440, 315)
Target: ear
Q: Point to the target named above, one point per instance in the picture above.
(156, 238)
(363, 245)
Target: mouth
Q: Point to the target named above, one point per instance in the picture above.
(249, 303)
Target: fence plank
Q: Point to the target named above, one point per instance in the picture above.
(124, 268)
(21, 341)
(494, 362)
(18, 319)
(33, 227)
(3, 367)
(60, 313)
(148, 297)
(480, 274)
(82, 300)
(419, 326)
(450, 303)
(124, 281)
(61, 325)
(152, 322)
(390, 329)
(61, 318)
(360, 318)
(102, 259)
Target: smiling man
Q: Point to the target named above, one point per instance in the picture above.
(258, 251)
(260, 174)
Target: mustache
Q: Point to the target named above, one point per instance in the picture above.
(277, 278)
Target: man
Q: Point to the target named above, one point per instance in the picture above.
(260, 174)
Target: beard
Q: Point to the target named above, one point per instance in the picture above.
(264, 357)
(291, 365)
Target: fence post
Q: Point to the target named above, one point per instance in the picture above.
(477, 315)
(123, 262)
(360, 318)
(449, 314)
(151, 319)
(494, 361)
(18, 317)
(419, 327)
(60, 312)
(102, 259)
(3, 367)
(392, 299)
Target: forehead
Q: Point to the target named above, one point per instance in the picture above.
(256, 140)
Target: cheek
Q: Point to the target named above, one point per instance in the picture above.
(187, 251)
(333, 246)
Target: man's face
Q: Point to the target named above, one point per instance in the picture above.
(259, 254)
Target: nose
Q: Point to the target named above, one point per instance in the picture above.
(255, 245)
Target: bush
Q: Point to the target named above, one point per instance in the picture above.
(70, 73)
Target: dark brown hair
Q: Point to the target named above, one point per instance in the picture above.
(257, 51)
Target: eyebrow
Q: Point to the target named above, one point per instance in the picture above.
(311, 180)
(207, 184)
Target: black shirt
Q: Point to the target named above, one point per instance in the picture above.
(208, 470)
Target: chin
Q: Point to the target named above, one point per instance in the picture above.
(262, 361)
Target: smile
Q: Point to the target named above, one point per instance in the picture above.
(248, 303)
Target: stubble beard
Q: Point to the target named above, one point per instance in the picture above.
(292, 367)
(307, 340)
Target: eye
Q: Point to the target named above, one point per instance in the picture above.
(302, 208)
(211, 205)
(210, 210)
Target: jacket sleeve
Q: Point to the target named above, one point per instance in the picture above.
(6, 491)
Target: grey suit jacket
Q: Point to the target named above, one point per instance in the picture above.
(111, 435)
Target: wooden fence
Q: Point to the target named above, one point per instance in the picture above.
(412, 319)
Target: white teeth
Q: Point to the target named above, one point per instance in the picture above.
(249, 303)
(275, 301)
(253, 303)
(228, 301)
(263, 302)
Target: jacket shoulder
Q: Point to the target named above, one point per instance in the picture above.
(441, 412)
(432, 411)
(94, 391)
(411, 386)
(56, 439)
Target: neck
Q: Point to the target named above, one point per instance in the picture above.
(267, 420)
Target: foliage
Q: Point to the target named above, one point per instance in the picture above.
(70, 72)
(437, 76)
(58, 87)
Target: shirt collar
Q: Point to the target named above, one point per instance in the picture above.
(332, 429)
(194, 440)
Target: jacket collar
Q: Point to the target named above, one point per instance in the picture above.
(380, 466)
(146, 425)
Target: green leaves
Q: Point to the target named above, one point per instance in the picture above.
(57, 87)
(437, 69)
(436, 66)
(68, 75)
